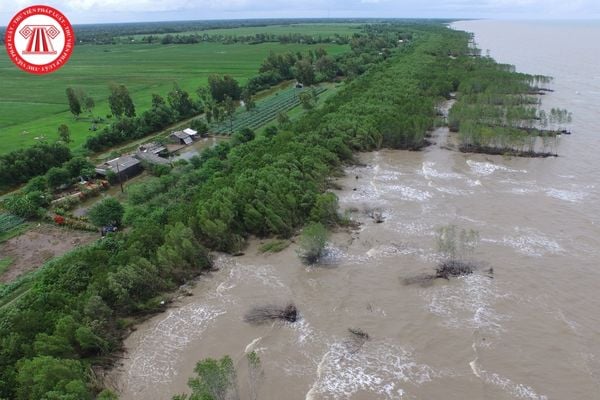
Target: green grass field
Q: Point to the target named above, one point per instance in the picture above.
(34, 106)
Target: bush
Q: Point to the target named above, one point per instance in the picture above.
(325, 209)
(107, 212)
(312, 243)
(30, 205)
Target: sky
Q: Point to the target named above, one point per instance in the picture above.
(98, 11)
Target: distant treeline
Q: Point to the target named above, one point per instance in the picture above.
(247, 39)
(110, 33)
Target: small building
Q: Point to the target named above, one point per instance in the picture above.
(153, 153)
(192, 133)
(124, 167)
(181, 137)
(152, 148)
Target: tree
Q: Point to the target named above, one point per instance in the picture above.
(229, 106)
(255, 374)
(221, 86)
(180, 101)
(455, 244)
(88, 104)
(307, 100)
(120, 102)
(325, 209)
(326, 67)
(58, 176)
(74, 104)
(271, 131)
(243, 136)
(64, 134)
(47, 377)
(128, 106)
(312, 243)
(107, 212)
(283, 120)
(304, 72)
(218, 114)
(181, 254)
(199, 126)
(37, 184)
(79, 166)
(248, 100)
(215, 380)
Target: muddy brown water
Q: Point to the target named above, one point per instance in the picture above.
(532, 332)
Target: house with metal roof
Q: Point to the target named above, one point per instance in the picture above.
(124, 167)
(180, 137)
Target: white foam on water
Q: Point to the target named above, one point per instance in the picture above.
(377, 367)
(306, 333)
(332, 255)
(388, 176)
(454, 191)
(250, 347)
(523, 190)
(566, 195)
(487, 168)
(428, 171)
(473, 183)
(155, 358)
(263, 274)
(389, 250)
(408, 193)
(466, 302)
(529, 242)
(412, 228)
(516, 390)
(363, 193)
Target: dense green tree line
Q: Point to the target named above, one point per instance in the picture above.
(33, 199)
(256, 38)
(21, 165)
(130, 127)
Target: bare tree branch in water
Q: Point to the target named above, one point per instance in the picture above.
(263, 314)
(357, 339)
(455, 246)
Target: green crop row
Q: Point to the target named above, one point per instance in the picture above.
(9, 221)
(265, 111)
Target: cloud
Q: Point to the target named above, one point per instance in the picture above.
(81, 11)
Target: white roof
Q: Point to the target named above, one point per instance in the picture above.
(190, 132)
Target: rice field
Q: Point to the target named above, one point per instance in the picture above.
(32, 107)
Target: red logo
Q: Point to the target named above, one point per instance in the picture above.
(39, 39)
